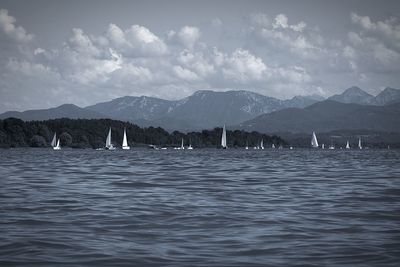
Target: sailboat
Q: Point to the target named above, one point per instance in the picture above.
(247, 145)
(190, 145)
(109, 146)
(314, 141)
(182, 147)
(347, 145)
(125, 142)
(323, 146)
(359, 143)
(273, 146)
(223, 138)
(262, 144)
(55, 143)
(331, 146)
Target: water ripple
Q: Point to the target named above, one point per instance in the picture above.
(199, 208)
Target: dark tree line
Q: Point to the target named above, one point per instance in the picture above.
(83, 133)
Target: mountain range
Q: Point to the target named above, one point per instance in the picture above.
(355, 95)
(203, 109)
(328, 116)
(207, 109)
(64, 111)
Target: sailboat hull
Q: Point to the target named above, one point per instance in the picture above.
(126, 147)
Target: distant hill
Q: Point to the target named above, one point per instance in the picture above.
(302, 101)
(353, 95)
(387, 96)
(133, 108)
(203, 109)
(64, 111)
(328, 116)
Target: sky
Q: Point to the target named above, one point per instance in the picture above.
(84, 52)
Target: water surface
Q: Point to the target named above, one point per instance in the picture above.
(203, 207)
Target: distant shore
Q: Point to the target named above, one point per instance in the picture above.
(91, 133)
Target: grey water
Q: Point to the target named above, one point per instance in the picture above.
(204, 207)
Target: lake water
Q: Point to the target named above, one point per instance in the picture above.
(204, 207)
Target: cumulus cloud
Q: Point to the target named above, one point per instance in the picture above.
(135, 41)
(388, 28)
(281, 36)
(375, 47)
(242, 66)
(189, 36)
(7, 25)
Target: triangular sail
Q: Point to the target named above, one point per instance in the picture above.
(314, 141)
(262, 143)
(347, 145)
(125, 140)
(108, 140)
(182, 147)
(58, 142)
(53, 142)
(359, 143)
(223, 138)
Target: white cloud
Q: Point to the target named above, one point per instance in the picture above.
(281, 37)
(281, 21)
(136, 41)
(189, 36)
(242, 66)
(7, 24)
(185, 74)
(376, 47)
(82, 44)
(196, 62)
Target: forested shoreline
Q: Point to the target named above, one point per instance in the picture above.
(91, 133)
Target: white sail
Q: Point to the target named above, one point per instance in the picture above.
(314, 141)
(57, 147)
(273, 146)
(108, 140)
(323, 146)
(125, 141)
(223, 138)
(347, 145)
(262, 144)
(359, 143)
(109, 145)
(182, 147)
(53, 142)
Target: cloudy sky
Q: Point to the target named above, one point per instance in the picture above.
(83, 52)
